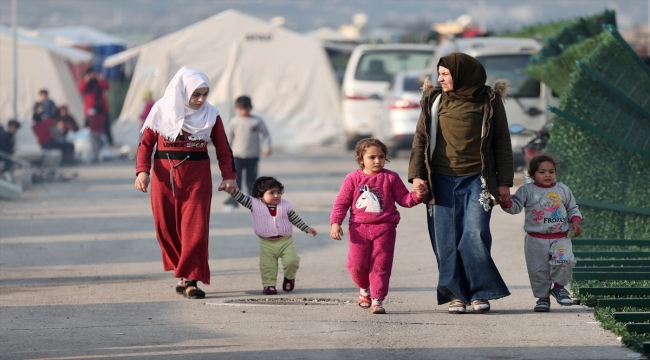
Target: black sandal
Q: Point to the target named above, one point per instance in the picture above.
(180, 287)
(288, 285)
(192, 291)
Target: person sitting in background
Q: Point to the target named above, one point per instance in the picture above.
(148, 104)
(69, 123)
(48, 137)
(49, 108)
(8, 143)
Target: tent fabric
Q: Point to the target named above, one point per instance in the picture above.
(287, 75)
(41, 65)
(82, 35)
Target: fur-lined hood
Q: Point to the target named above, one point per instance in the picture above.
(501, 87)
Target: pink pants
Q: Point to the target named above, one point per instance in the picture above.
(370, 259)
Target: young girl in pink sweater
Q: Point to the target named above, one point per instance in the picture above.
(371, 193)
(273, 221)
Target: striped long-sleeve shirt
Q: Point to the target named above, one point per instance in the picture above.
(276, 221)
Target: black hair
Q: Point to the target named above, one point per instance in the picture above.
(43, 91)
(534, 164)
(264, 184)
(363, 144)
(244, 102)
(90, 70)
(13, 122)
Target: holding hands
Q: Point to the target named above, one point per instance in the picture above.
(229, 186)
(420, 187)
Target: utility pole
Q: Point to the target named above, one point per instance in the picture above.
(14, 28)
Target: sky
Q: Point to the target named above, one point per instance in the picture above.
(155, 18)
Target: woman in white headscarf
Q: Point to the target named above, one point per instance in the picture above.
(176, 132)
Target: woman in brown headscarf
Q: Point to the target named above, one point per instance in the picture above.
(462, 154)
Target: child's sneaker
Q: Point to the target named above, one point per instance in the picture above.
(543, 305)
(561, 295)
(377, 307)
(456, 307)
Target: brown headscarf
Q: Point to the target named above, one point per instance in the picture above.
(468, 75)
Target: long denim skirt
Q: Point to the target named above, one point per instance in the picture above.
(459, 228)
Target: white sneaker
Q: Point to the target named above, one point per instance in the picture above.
(456, 307)
(481, 305)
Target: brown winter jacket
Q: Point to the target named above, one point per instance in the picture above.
(496, 149)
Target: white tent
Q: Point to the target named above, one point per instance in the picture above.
(81, 35)
(287, 75)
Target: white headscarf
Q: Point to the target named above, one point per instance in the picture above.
(172, 112)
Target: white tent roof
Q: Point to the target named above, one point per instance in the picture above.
(78, 36)
(287, 75)
(41, 65)
(64, 52)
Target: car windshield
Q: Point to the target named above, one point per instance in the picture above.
(414, 83)
(513, 68)
(383, 65)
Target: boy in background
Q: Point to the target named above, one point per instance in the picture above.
(248, 137)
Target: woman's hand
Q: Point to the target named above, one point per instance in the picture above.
(504, 194)
(575, 226)
(420, 187)
(336, 232)
(229, 186)
(142, 181)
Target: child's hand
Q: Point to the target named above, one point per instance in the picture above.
(312, 231)
(575, 226)
(142, 181)
(267, 153)
(336, 232)
(421, 193)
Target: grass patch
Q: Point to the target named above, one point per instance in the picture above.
(632, 340)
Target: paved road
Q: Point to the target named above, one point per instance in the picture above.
(81, 278)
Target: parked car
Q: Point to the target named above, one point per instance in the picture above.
(508, 58)
(401, 110)
(368, 75)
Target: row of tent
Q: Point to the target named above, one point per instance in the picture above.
(288, 76)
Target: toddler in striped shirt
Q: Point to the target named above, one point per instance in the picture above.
(273, 218)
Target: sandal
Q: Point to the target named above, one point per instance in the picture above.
(364, 301)
(288, 285)
(378, 309)
(269, 290)
(192, 291)
(180, 287)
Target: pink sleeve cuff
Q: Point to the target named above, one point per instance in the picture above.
(576, 219)
(508, 205)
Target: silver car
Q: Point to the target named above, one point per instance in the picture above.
(401, 110)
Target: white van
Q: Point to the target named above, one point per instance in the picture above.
(368, 76)
(507, 58)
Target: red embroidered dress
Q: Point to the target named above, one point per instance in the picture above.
(181, 192)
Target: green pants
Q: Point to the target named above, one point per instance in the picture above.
(270, 251)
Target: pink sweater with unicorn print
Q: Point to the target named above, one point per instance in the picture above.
(371, 198)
